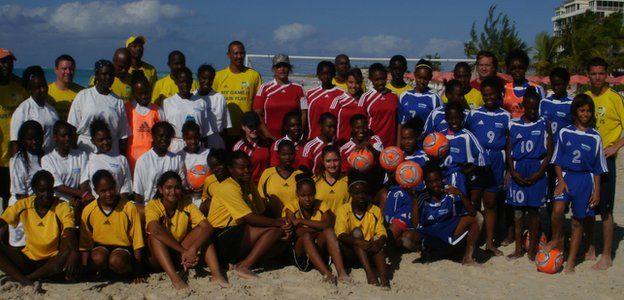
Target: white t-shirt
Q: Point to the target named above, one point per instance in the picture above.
(20, 185)
(46, 115)
(89, 105)
(70, 171)
(117, 165)
(195, 159)
(148, 169)
(178, 111)
(218, 116)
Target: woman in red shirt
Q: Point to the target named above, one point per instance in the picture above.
(254, 145)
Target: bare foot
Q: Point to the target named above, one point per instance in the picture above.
(494, 251)
(507, 241)
(346, 279)
(569, 269)
(531, 256)
(244, 272)
(372, 279)
(603, 264)
(471, 263)
(385, 285)
(221, 281)
(179, 284)
(590, 254)
(515, 255)
(35, 288)
(330, 278)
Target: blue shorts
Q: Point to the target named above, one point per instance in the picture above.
(527, 196)
(443, 231)
(492, 177)
(580, 189)
(458, 180)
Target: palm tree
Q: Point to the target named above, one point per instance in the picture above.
(545, 53)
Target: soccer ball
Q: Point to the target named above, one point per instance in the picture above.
(390, 158)
(549, 262)
(197, 175)
(436, 145)
(408, 174)
(526, 240)
(361, 160)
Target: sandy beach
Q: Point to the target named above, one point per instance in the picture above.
(498, 279)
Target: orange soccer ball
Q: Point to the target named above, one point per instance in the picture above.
(436, 145)
(549, 262)
(361, 160)
(408, 174)
(391, 157)
(196, 176)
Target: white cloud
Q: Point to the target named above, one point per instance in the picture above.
(380, 44)
(293, 32)
(444, 47)
(94, 18)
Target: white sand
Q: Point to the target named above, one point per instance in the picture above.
(498, 279)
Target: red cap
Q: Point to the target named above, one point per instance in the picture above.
(5, 52)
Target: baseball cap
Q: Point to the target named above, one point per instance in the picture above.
(133, 39)
(5, 52)
(281, 59)
(251, 120)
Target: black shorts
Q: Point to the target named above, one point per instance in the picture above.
(228, 242)
(111, 248)
(607, 188)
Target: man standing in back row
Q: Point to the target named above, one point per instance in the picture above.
(135, 44)
(63, 90)
(238, 84)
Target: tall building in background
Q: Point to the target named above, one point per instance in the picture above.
(572, 8)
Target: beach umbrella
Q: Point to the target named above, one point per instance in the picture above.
(579, 79)
(616, 80)
(505, 77)
(442, 76)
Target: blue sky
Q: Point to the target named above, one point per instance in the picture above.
(37, 31)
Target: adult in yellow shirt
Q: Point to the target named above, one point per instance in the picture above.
(242, 233)
(360, 230)
(461, 72)
(238, 84)
(343, 65)
(398, 67)
(52, 243)
(166, 86)
(135, 44)
(121, 83)
(111, 236)
(610, 124)
(11, 95)
(63, 90)
(177, 231)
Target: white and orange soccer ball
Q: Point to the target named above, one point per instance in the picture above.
(196, 176)
(436, 145)
(408, 174)
(361, 160)
(391, 157)
(549, 262)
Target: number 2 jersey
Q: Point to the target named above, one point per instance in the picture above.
(579, 151)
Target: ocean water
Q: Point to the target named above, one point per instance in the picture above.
(81, 77)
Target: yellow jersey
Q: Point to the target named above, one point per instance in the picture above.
(120, 87)
(276, 190)
(334, 195)
(319, 209)
(210, 184)
(343, 86)
(371, 223)
(609, 116)
(184, 219)
(43, 232)
(229, 205)
(399, 91)
(474, 98)
(166, 87)
(239, 90)
(148, 70)
(119, 227)
(61, 100)
(11, 95)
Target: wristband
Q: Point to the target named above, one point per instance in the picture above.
(84, 194)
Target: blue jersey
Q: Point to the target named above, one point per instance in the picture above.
(414, 104)
(579, 151)
(437, 121)
(434, 212)
(464, 148)
(398, 205)
(489, 127)
(528, 139)
(557, 112)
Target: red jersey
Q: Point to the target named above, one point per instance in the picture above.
(312, 154)
(344, 107)
(259, 155)
(319, 101)
(276, 100)
(381, 110)
(298, 152)
(347, 148)
(140, 120)
(475, 84)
